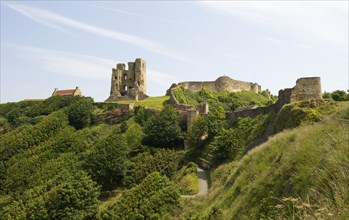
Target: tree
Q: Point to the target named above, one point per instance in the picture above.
(215, 120)
(74, 198)
(164, 161)
(108, 161)
(340, 95)
(80, 113)
(197, 133)
(152, 198)
(228, 144)
(142, 115)
(163, 130)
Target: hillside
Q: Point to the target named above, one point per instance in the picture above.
(301, 173)
(228, 100)
(59, 161)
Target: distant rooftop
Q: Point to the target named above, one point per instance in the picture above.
(72, 92)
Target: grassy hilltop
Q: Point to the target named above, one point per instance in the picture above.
(59, 159)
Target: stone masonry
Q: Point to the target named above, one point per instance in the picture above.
(307, 88)
(221, 84)
(128, 84)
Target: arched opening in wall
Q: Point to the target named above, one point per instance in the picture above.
(125, 76)
(125, 88)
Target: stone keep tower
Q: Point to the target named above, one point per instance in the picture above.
(128, 84)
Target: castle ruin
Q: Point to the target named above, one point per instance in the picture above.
(128, 84)
(221, 84)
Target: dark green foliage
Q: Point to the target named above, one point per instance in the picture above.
(337, 95)
(228, 144)
(80, 113)
(74, 198)
(134, 135)
(340, 95)
(151, 199)
(163, 130)
(164, 161)
(25, 112)
(215, 121)
(142, 115)
(228, 100)
(4, 125)
(30, 135)
(55, 103)
(123, 127)
(197, 133)
(69, 195)
(108, 161)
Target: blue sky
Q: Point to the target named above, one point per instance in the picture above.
(47, 45)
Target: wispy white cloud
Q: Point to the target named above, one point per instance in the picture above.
(65, 63)
(79, 65)
(138, 15)
(60, 23)
(311, 20)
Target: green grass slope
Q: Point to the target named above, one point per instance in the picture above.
(298, 174)
(156, 102)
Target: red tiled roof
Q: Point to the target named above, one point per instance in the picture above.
(65, 92)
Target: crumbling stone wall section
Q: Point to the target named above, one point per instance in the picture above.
(221, 84)
(306, 89)
(128, 84)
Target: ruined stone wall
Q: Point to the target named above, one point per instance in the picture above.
(197, 86)
(223, 83)
(306, 88)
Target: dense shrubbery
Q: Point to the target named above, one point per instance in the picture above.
(163, 161)
(228, 100)
(54, 162)
(151, 199)
(338, 95)
(108, 161)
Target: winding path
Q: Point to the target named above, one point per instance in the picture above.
(203, 185)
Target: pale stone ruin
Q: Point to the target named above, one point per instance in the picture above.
(221, 84)
(128, 84)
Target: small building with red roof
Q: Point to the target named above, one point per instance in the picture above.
(72, 92)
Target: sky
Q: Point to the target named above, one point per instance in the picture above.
(64, 44)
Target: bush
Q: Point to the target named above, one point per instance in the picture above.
(163, 161)
(340, 95)
(197, 133)
(151, 199)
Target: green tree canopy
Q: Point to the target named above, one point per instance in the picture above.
(163, 130)
(80, 113)
(108, 161)
(149, 200)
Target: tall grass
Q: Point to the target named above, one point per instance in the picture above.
(309, 164)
